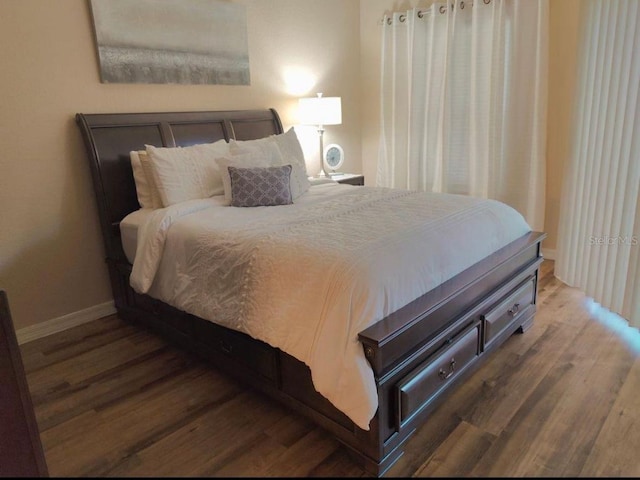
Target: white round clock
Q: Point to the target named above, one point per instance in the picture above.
(333, 156)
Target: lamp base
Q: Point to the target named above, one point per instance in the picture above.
(322, 173)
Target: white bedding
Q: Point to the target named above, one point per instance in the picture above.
(129, 231)
(308, 277)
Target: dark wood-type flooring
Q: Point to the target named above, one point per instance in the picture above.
(561, 400)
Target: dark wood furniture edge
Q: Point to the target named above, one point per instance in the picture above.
(450, 298)
(20, 456)
(439, 318)
(355, 180)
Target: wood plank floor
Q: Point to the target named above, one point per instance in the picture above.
(561, 400)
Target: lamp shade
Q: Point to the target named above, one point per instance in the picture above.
(320, 110)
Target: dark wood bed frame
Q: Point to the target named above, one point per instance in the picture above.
(417, 353)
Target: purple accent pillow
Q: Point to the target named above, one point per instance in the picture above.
(260, 186)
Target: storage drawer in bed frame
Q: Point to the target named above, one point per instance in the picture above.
(421, 385)
(517, 304)
(259, 357)
(415, 383)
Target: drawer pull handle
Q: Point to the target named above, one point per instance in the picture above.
(225, 347)
(513, 310)
(452, 366)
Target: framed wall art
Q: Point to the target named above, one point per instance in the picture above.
(171, 41)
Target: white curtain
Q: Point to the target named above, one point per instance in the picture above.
(463, 101)
(599, 232)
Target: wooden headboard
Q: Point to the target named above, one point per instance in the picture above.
(109, 137)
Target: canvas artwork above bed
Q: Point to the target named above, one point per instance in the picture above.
(365, 294)
(171, 41)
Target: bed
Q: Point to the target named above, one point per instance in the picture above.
(384, 341)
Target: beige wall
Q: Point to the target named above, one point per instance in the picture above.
(564, 21)
(51, 254)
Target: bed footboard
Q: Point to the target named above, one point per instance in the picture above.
(424, 350)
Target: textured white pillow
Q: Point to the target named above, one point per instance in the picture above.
(146, 190)
(156, 201)
(187, 173)
(140, 179)
(246, 157)
(290, 151)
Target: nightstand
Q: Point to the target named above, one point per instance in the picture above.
(349, 178)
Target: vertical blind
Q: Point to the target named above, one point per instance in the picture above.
(599, 232)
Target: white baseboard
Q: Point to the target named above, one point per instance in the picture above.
(549, 253)
(55, 325)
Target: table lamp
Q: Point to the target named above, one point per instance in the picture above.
(320, 111)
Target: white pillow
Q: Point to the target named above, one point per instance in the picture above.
(156, 201)
(187, 173)
(290, 151)
(140, 179)
(246, 157)
(264, 147)
(146, 190)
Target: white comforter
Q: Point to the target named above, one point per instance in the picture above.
(306, 278)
